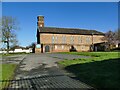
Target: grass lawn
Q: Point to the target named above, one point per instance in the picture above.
(99, 71)
(7, 72)
(11, 54)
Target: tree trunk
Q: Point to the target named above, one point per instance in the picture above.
(7, 46)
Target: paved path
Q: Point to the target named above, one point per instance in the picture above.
(44, 72)
(34, 61)
(14, 59)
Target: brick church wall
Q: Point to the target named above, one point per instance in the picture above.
(56, 42)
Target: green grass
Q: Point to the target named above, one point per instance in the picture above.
(7, 72)
(11, 54)
(99, 71)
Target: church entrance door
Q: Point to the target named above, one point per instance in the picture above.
(47, 48)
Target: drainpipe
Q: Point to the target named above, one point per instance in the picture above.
(92, 42)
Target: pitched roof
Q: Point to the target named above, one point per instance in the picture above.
(55, 30)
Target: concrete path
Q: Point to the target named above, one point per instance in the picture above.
(14, 59)
(33, 61)
(46, 71)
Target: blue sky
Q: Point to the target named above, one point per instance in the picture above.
(88, 15)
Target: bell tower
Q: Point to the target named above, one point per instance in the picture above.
(40, 21)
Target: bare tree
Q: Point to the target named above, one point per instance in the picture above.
(32, 45)
(9, 26)
(117, 33)
(110, 38)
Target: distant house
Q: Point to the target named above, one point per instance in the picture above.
(53, 39)
(17, 49)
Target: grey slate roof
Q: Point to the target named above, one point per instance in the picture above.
(55, 30)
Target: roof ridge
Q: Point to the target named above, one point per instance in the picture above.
(68, 30)
(71, 28)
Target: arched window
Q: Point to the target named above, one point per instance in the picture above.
(47, 48)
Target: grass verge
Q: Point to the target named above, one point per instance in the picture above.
(11, 54)
(7, 73)
(100, 71)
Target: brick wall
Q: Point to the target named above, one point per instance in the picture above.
(37, 50)
(77, 39)
(63, 42)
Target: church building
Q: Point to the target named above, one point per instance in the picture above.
(55, 39)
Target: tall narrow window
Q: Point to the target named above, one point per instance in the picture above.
(72, 39)
(62, 46)
(56, 47)
(79, 40)
(64, 39)
(56, 39)
(88, 39)
(53, 39)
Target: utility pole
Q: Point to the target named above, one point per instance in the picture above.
(92, 42)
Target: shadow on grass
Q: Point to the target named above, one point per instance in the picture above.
(99, 74)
